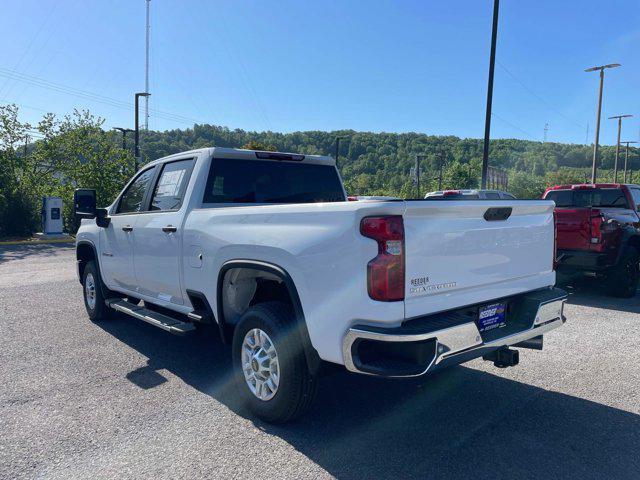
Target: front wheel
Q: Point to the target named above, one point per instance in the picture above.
(269, 364)
(624, 278)
(92, 293)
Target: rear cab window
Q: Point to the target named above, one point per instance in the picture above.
(563, 198)
(589, 197)
(239, 181)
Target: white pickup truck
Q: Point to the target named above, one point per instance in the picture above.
(266, 247)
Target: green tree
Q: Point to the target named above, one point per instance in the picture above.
(73, 152)
(18, 206)
(255, 145)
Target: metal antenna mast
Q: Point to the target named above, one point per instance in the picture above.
(146, 71)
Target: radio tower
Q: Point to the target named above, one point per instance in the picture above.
(146, 71)
(546, 129)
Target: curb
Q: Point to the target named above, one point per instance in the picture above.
(39, 242)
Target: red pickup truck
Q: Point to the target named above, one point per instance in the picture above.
(598, 233)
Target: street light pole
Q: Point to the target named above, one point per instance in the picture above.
(594, 168)
(615, 165)
(626, 158)
(487, 120)
(136, 153)
(124, 133)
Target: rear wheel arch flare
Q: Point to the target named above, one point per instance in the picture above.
(313, 359)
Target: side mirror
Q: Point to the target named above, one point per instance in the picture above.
(102, 217)
(84, 203)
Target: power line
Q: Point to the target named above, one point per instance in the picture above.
(28, 49)
(522, 84)
(61, 88)
(513, 125)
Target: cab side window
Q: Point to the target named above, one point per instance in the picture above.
(635, 193)
(169, 190)
(133, 197)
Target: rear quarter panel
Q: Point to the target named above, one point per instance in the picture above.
(320, 247)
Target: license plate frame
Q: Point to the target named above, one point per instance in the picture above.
(492, 316)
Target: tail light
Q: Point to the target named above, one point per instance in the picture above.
(596, 227)
(385, 273)
(555, 240)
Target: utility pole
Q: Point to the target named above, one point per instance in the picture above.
(626, 158)
(487, 120)
(418, 174)
(136, 153)
(615, 165)
(441, 156)
(601, 69)
(419, 156)
(586, 138)
(338, 148)
(546, 130)
(146, 70)
(124, 134)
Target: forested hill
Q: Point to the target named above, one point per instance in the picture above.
(380, 163)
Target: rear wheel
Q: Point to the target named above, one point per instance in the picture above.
(92, 293)
(270, 367)
(622, 280)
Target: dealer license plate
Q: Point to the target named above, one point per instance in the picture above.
(492, 316)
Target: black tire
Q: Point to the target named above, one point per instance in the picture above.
(622, 280)
(297, 387)
(96, 308)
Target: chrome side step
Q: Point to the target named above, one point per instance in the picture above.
(165, 322)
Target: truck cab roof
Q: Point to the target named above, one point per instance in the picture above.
(242, 154)
(584, 186)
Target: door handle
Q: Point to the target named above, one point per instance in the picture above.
(169, 229)
(127, 228)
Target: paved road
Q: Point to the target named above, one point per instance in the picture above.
(125, 400)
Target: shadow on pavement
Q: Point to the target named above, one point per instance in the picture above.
(458, 423)
(589, 292)
(19, 252)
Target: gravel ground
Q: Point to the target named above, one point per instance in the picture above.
(123, 399)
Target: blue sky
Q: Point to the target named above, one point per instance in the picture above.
(393, 66)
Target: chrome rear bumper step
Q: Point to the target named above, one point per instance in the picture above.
(443, 339)
(164, 322)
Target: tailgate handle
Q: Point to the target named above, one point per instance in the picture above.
(497, 213)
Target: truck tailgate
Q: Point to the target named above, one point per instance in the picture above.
(456, 257)
(574, 228)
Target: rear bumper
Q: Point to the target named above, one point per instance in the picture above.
(428, 343)
(581, 260)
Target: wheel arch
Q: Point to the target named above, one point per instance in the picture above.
(634, 241)
(85, 252)
(313, 359)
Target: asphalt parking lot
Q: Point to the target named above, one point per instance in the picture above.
(125, 400)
